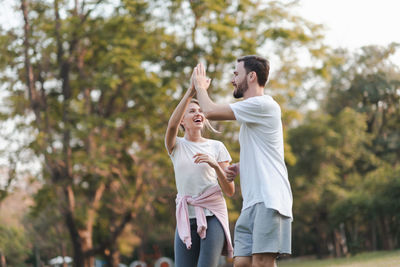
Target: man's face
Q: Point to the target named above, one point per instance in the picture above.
(239, 80)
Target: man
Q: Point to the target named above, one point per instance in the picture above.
(263, 230)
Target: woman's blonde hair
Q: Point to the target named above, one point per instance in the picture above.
(207, 124)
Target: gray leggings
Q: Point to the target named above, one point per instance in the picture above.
(204, 252)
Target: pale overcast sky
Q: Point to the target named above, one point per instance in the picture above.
(355, 23)
(349, 23)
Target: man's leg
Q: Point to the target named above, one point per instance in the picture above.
(242, 261)
(264, 260)
(243, 238)
(271, 235)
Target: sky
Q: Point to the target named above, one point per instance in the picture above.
(349, 23)
(355, 23)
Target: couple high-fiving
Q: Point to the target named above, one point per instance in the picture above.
(263, 230)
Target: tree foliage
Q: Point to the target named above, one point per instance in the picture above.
(348, 150)
(93, 83)
(14, 245)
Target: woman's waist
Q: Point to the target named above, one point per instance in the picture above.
(194, 190)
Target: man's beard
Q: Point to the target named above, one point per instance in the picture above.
(240, 89)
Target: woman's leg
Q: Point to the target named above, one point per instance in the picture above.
(211, 246)
(187, 257)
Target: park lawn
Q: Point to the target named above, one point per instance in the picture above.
(366, 259)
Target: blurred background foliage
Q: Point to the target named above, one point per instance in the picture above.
(89, 88)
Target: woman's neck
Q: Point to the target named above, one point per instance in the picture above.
(194, 136)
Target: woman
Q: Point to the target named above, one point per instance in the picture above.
(202, 232)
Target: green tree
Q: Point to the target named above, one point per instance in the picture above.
(14, 244)
(345, 175)
(368, 83)
(87, 91)
(45, 227)
(328, 150)
(371, 211)
(96, 83)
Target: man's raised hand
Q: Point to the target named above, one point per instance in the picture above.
(201, 82)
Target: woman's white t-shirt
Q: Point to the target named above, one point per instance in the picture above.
(194, 178)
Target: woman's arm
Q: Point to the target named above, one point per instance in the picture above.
(232, 171)
(228, 187)
(176, 118)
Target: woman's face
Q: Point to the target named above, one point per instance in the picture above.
(193, 117)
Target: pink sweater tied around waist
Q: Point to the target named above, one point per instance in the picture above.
(211, 199)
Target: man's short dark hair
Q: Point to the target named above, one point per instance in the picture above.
(257, 64)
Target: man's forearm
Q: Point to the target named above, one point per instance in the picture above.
(214, 111)
(211, 110)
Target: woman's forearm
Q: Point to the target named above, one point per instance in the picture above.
(175, 120)
(227, 187)
(179, 111)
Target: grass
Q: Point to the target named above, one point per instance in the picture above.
(366, 259)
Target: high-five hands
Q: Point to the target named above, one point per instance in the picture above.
(200, 80)
(191, 88)
(232, 171)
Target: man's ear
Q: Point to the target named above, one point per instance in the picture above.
(253, 75)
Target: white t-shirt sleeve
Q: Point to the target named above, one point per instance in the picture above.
(223, 154)
(253, 109)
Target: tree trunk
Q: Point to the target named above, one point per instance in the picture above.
(81, 240)
(322, 233)
(80, 249)
(340, 239)
(338, 251)
(388, 234)
(87, 244)
(374, 235)
(387, 240)
(64, 254)
(3, 262)
(343, 240)
(113, 257)
(37, 257)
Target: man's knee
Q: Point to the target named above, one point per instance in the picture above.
(242, 262)
(264, 260)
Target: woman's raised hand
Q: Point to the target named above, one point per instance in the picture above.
(191, 88)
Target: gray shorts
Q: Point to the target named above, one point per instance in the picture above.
(262, 230)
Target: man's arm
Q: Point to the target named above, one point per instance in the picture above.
(211, 110)
(214, 111)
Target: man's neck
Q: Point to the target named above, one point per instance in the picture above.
(253, 91)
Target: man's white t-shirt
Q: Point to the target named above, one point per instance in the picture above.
(194, 178)
(263, 173)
